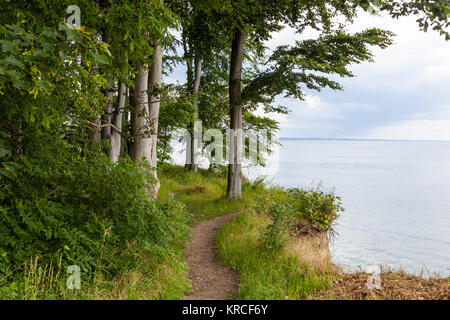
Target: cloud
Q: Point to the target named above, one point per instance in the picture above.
(404, 94)
(313, 102)
(412, 130)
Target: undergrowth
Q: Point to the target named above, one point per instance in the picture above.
(265, 274)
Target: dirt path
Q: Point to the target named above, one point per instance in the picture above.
(210, 279)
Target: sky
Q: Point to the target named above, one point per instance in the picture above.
(404, 94)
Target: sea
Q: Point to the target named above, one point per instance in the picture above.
(396, 196)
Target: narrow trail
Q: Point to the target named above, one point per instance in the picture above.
(210, 279)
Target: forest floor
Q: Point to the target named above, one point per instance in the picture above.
(210, 279)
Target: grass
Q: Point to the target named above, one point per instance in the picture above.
(203, 193)
(278, 274)
(153, 277)
(158, 276)
(265, 275)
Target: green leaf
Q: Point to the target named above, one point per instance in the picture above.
(49, 33)
(14, 73)
(8, 46)
(13, 61)
(102, 59)
(15, 29)
(18, 84)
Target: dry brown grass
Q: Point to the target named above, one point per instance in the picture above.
(195, 188)
(394, 286)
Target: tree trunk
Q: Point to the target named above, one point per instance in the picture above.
(107, 116)
(154, 82)
(188, 85)
(235, 165)
(94, 130)
(140, 146)
(116, 128)
(194, 141)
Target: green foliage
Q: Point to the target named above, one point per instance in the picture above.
(59, 197)
(273, 237)
(176, 110)
(262, 274)
(85, 209)
(318, 207)
(203, 193)
(432, 14)
(218, 169)
(41, 69)
(292, 70)
(295, 212)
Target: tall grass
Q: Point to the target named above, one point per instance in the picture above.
(203, 193)
(265, 274)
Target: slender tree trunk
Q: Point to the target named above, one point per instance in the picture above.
(94, 132)
(107, 116)
(189, 85)
(116, 128)
(140, 145)
(154, 82)
(194, 141)
(235, 165)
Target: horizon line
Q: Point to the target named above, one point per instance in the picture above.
(361, 139)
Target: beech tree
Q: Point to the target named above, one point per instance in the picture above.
(306, 64)
(253, 22)
(202, 41)
(151, 21)
(192, 22)
(432, 14)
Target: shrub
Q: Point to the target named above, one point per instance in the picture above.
(295, 212)
(59, 202)
(218, 169)
(318, 208)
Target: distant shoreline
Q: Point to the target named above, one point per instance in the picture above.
(354, 139)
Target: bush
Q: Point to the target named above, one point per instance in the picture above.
(319, 208)
(296, 212)
(60, 203)
(218, 169)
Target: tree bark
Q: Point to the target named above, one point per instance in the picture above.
(154, 82)
(140, 144)
(189, 85)
(94, 130)
(235, 165)
(116, 121)
(107, 116)
(194, 141)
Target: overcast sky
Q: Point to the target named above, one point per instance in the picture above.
(404, 94)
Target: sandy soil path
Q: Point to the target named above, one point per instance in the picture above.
(211, 280)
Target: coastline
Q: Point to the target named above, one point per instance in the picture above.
(286, 274)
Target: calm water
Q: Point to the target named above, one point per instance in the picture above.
(396, 197)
